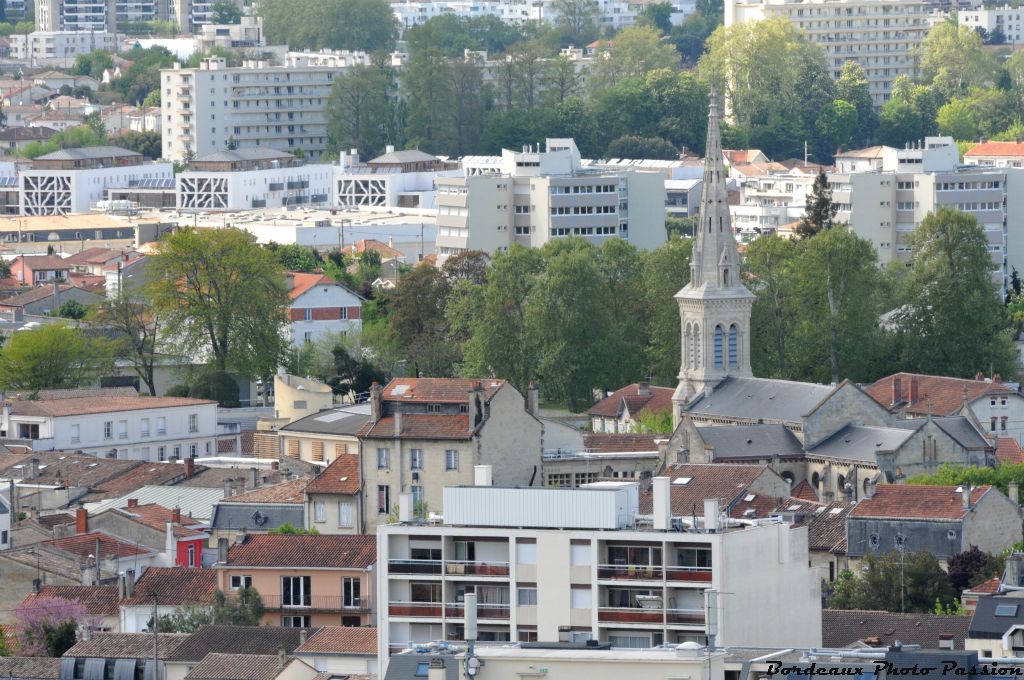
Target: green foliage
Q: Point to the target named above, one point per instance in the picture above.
(820, 212)
(93, 64)
(244, 608)
(852, 86)
(657, 15)
(836, 125)
(143, 76)
(876, 584)
(635, 51)
(367, 25)
(218, 386)
(953, 59)
(287, 529)
(296, 258)
(53, 356)
(417, 322)
(5, 269)
(362, 111)
(148, 143)
(632, 146)
(71, 138)
(184, 619)
(231, 57)
(957, 475)
(971, 567)
(452, 34)
(655, 423)
(666, 270)
(690, 36)
(71, 309)
(576, 20)
(60, 637)
(225, 13)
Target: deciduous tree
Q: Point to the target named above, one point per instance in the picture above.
(53, 356)
(894, 582)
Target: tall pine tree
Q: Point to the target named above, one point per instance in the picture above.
(820, 211)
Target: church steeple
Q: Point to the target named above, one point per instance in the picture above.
(714, 307)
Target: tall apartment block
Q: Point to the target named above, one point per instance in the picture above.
(581, 564)
(214, 107)
(883, 36)
(536, 195)
(107, 15)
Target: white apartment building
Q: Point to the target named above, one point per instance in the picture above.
(97, 15)
(246, 34)
(536, 196)
(243, 179)
(192, 15)
(767, 202)
(580, 564)
(883, 36)
(75, 180)
(404, 179)
(111, 423)
(883, 194)
(256, 105)
(1006, 19)
(996, 155)
(59, 47)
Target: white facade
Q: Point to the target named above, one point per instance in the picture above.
(5, 524)
(883, 36)
(326, 308)
(273, 187)
(769, 201)
(178, 428)
(1006, 19)
(52, 47)
(537, 196)
(627, 586)
(611, 14)
(246, 34)
(206, 109)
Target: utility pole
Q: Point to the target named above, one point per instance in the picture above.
(156, 637)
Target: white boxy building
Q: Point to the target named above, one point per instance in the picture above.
(581, 564)
(111, 423)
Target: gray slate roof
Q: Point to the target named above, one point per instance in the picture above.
(761, 398)
(238, 667)
(751, 441)
(234, 155)
(339, 421)
(87, 153)
(126, 646)
(237, 640)
(29, 667)
(986, 625)
(959, 428)
(406, 156)
(842, 628)
(257, 517)
(860, 442)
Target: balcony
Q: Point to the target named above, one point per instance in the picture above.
(323, 603)
(460, 568)
(631, 572)
(276, 186)
(684, 617)
(429, 567)
(415, 609)
(694, 574)
(455, 610)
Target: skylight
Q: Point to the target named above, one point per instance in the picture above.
(682, 481)
(749, 497)
(1006, 610)
(835, 511)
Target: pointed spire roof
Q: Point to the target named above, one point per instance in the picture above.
(714, 248)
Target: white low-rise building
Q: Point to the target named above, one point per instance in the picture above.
(75, 180)
(996, 155)
(58, 47)
(111, 423)
(243, 179)
(405, 179)
(321, 306)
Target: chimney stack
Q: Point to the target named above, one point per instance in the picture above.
(81, 521)
(376, 401)
(965, 494)
(176, 515)
(303, 635)
(1013, 491)
(643, 389)
(662, 490)
(253, 477)
(227, 488)
(897, 390)
(405, 508)
(482, 475)
(913, 391)
(133, 502)
(281, 657)
(190, 467)
(533, 399)
(711, 515)
(222, 550)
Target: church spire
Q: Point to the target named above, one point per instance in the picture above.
(715, 260)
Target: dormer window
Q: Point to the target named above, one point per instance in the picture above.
(433, 408)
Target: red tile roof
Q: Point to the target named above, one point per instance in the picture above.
(285, 492)
(989, 587)
(317, 551)
(98, 600)
(438, 390)
(341, 477)
(741, 156)
(43, 262)
(302, 282)
(619, 443)
(420, 426)
(804, 491)
(157, 516)
(384, 249)
(996, 149)
(156, 474)
(84, 545)
(94, 256)
(938, 395)
(174, 586)
(92, 405)
(635, 400)
(341, 640)
(1009, 451)
(916, 501)
(726, 482)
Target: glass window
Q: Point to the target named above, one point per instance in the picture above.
(345, 515)
(719, 338)
(383, 459)
(580, 597)
(296, 591)
(193, 422)
(384, 499)
(319, 511)
(694, 557)
(451, 459)
(108, 429)
(733, 349)
(526, 596)
(350, 591)
(238, 582)
(416, 459)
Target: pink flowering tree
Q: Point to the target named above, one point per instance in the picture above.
(48, 626)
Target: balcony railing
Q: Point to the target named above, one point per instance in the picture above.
(333, 603)
(456, 567)
(483, 611)
(635, 572)
(690, 617)
(698, 574)
(414, 566)
(424, 609)
(693, 617)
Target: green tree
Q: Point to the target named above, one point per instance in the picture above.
(366, 25)
(820, 213)
(958, 119)
(657, 15)
(223, 297)
(148, 143)
(837, 125)
(954, 323)
(577, 20)
(225, 13)
(71, 309)
(296, 258)
(468, 108)
(362, 102)
(894, 582)
(136, 328)
(417, 322)
(666, 271)
(428, 86)
(5, 269)
(899, 122)
(634, 51)
(244, 608)
(53, 356)
(632, 146)
(143, 76)
(690, 36)
(954, 60)
(852, 86)
(972, 566)
(659, 422)
(957, 475)
(559, 80)
(93, 64)
(771, 264)
(184, 619)
(287, 529)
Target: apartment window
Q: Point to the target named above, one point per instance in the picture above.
(76, 434)
(295, 622)
(239, 581)
(451, 459)
(433, 408)
(161, 425)
(526, 597)
(193, 422)
(350, 591)
(418, 499)
(108, 429)
(416, 459)
(144, 428)
(343, 313)
(694, 557)
(161, 453)
(992, 423)
(192, 556)
(307, 337)
(319, 511)
(345, 519)
(307, 314)
(579, 597)
(383, 459)
(191, 450)
(296, 591)
(561, 480)
(1002, 423)
(177, 452)
(384, 499)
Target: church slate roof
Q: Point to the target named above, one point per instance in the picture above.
(751, 441)
(757, 399)
(859, 442)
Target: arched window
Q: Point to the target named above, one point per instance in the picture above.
(697, 344)
(688, 346)
(815, 480)
(719, 338)
(734, 360)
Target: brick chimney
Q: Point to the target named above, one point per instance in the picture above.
(897, 390)
(643, 389)
(376, 401)
(190, 467)
(133, 502)
(980, 376)
(176, 515)
(81, 521)
(912, 399)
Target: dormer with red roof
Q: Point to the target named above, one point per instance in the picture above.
(996, 154)
(620, 410)
(319, 305)
(428, 433)
(159, 528)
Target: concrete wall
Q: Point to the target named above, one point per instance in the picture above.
(510, 440)
(331, 503)
(846, 404)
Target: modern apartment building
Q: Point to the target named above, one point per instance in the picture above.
(75, 180)
(883, 194)
(243, 179)
(1006, 20)
(403, 179)
(59, 47)
(192, 15)
(581, 564)
(539, 195)
(213, 107)
(883, 36)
